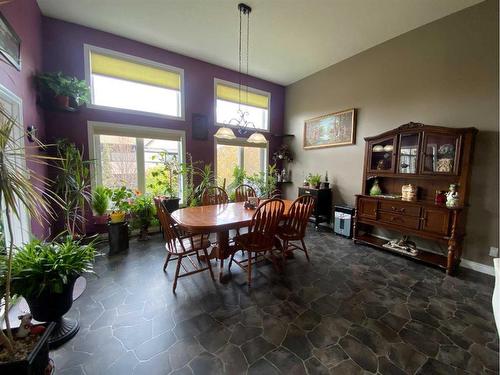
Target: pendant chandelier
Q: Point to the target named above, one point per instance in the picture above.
(241, 121)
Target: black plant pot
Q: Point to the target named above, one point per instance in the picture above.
(171, 204)
(51, 307)
(37, 361)
(118, 237)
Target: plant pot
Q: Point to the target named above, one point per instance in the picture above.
(49, 306)
(117, 217)
(118, 237)
(37, 361)
(61, 101)
(317, 186)
(101, 219)
(171, 204)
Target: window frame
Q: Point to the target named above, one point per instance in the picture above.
(242, 142)
(96, 128)
(250, 89)
(135, 59)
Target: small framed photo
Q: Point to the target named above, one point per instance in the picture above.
(199, 127)
(334, 129)
(10, 44)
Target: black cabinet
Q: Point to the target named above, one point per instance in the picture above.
(323, 208)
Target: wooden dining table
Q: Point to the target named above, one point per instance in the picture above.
(218, 219)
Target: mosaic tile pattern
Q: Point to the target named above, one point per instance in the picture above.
(352, 310)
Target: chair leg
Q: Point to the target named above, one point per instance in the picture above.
(249, 269)
(283, 250)
(231, 262)
(179, 260)
(208, 263)
(304, 248)
(166, 262)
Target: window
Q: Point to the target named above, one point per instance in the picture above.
(130, 156)
(126, 82)
(228, 100)
(231, 153)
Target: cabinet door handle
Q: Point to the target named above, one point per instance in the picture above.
(398, 209)
(307, 192)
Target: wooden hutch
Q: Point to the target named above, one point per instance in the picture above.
(430, 158)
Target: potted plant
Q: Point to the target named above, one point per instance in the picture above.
(314, 180)
(100, 204)
(143, 212)
(28, 355)
(264, 183)
(239, 177)
(283, 153)
(44, 273)
(169, 175)
(121, 198)
(60, 89)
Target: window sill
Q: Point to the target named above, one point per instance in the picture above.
(134, 112)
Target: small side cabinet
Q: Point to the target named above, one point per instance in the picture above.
(323, 208)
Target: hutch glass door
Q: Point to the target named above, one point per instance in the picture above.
(408, 153)
(381, 155)
(440, 153)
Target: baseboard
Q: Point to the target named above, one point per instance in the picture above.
(483, 268)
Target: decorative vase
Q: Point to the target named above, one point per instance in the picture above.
(452, 199)
(375, 189)
(444, 165)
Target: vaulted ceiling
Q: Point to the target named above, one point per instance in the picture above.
(289, 39)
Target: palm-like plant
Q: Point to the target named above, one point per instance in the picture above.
(18, 188)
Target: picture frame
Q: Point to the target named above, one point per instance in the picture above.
(334, 129)
(199, 124)
(10, 44)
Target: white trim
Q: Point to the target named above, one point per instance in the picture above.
(87, 48)
(483, 268)
(97, 128)
(250, 89)
(24, 222)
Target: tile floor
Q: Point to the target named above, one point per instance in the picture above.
(352, 310)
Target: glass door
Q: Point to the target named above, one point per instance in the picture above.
(381, 155)
(408, 153)
(440, 153)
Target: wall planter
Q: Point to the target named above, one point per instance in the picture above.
(117, 237)
(36, 363)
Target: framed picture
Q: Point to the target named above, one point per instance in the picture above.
(335, 129)
(199, 127)
(10, 44)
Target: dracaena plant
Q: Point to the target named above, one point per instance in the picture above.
(18, 188)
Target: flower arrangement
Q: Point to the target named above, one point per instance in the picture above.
(283, 153)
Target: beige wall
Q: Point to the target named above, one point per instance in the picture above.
(444, 73)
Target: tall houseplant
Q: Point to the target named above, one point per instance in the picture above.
(170, 173)
(18, 187)
(72, 186)
(264, 183)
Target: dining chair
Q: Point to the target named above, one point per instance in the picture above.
(276, 193)
(261, 234)
(242, 192)
(214, 195)
(294, 227)
(183, 247)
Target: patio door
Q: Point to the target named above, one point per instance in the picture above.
(21, 226)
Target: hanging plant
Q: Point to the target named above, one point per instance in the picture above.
(283, 153)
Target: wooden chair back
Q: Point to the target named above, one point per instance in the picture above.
(266, 218)
(170, 235)
(299, 213)
(276, 194)
(214, 195)
(242, 192)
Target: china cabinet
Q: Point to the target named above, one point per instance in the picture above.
(426, 159)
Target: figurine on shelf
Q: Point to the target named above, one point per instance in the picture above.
(283, 175)
(452, 199)
(278, 176)
(325, 184)
(25, 327)
(375, 189)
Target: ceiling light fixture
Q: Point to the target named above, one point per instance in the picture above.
(241, 122)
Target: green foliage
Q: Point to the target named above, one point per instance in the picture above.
(166, 175)
(60, 84)
(143, 211)
(314, 179)
(40, 266)
(264, 183)
(239, 177)
(100, 200)
(121, 198)
(207, 179)
(72, 185)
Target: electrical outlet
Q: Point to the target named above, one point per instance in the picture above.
(494, 252)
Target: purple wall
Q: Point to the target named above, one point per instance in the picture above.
(63, 51)
(26, 19)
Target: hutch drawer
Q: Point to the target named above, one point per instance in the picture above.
(368, 208)
(399, 208)
(400, 220)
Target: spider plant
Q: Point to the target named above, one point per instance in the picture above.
(72, 186)
(19, 188)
